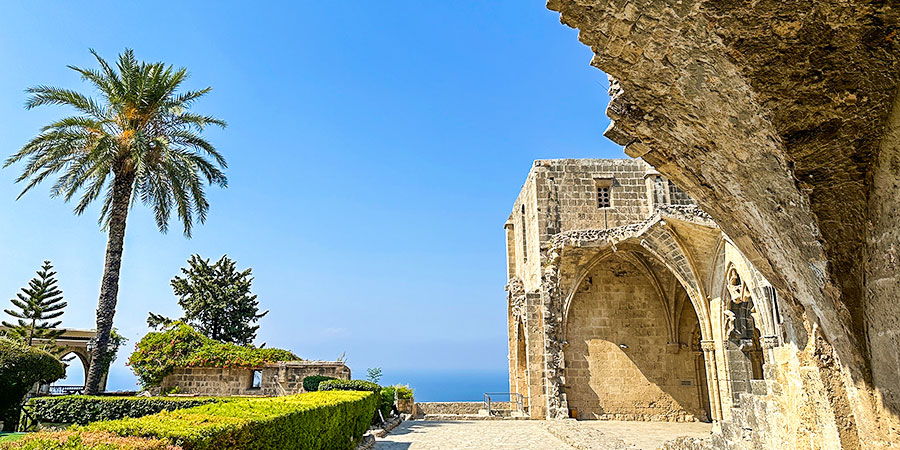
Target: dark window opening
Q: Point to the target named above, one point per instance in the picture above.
(604, 192)
(603, 198)
(524, 234)
(256, 380)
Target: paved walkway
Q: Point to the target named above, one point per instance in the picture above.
(647, 435)
(478, 434)
(527, 434)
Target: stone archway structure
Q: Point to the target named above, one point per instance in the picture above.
(655, 250)
(782, 120)
(671, 258)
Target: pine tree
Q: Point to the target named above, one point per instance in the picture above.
(217, 301)
(35, 308)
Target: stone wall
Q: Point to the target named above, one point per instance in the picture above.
(460, 408)
(618, 363)
(283, 378)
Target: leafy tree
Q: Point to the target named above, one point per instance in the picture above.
(21, 366)
(35, 308)
(216, 300)
(373, 374)
(136, 141)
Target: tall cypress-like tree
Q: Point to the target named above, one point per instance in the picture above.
(35, 308)
(216, 300)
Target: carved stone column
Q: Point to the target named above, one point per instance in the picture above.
(554, 359)
(712, 379)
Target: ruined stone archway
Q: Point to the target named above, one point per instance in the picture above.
(621, 362)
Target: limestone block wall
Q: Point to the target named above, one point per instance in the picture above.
(463, 408)
(284, 378)
(618, 363)
(561, 195)
(567, 191)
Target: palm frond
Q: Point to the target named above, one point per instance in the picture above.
(138, 127)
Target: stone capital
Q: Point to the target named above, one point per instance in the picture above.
(708, 345)
(767, 342)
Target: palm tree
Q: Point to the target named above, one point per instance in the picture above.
(136, 141)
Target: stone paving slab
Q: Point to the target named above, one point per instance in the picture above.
(534, 435)
(644, 435)
(471, 435)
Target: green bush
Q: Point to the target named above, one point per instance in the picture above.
(82, 409)
(311, 383)
(159, 353)
(403, 392)
(71, 440)
(349, 385)
(20, 367)
(387, 400)
(313, 421)
(360, 385)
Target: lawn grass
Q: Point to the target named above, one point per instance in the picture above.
(9, 437)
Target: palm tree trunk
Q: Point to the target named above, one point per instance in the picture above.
(109, 285)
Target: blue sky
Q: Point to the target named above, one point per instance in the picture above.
(374, 148)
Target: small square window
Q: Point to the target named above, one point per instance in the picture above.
(604, 191)
(256, 381)
(603, 200)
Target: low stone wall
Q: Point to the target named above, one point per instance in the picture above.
(283, 378)
(449, 407)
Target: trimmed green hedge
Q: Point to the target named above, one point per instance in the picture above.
(311, 383)
(385, 395)
(71, 440)
(82, 409)
(313, 421)
(349, 385)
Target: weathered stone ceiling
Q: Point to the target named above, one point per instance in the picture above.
(769, 114)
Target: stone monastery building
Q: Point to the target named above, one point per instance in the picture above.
(627, 302)
(782, 120)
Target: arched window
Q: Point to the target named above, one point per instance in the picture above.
(742, 344)
(73, 382)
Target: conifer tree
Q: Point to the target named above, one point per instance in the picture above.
(216, 300)
(35, 308)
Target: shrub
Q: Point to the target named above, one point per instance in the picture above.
(20, 367)
(159, 353)
(359, 385)
(403, 392)
(70, 440)
(82, 409)
(317, 420)
(387, 400)
(349, 385)
(311, 383)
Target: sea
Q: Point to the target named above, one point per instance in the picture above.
(448, 386)
(427, 385)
